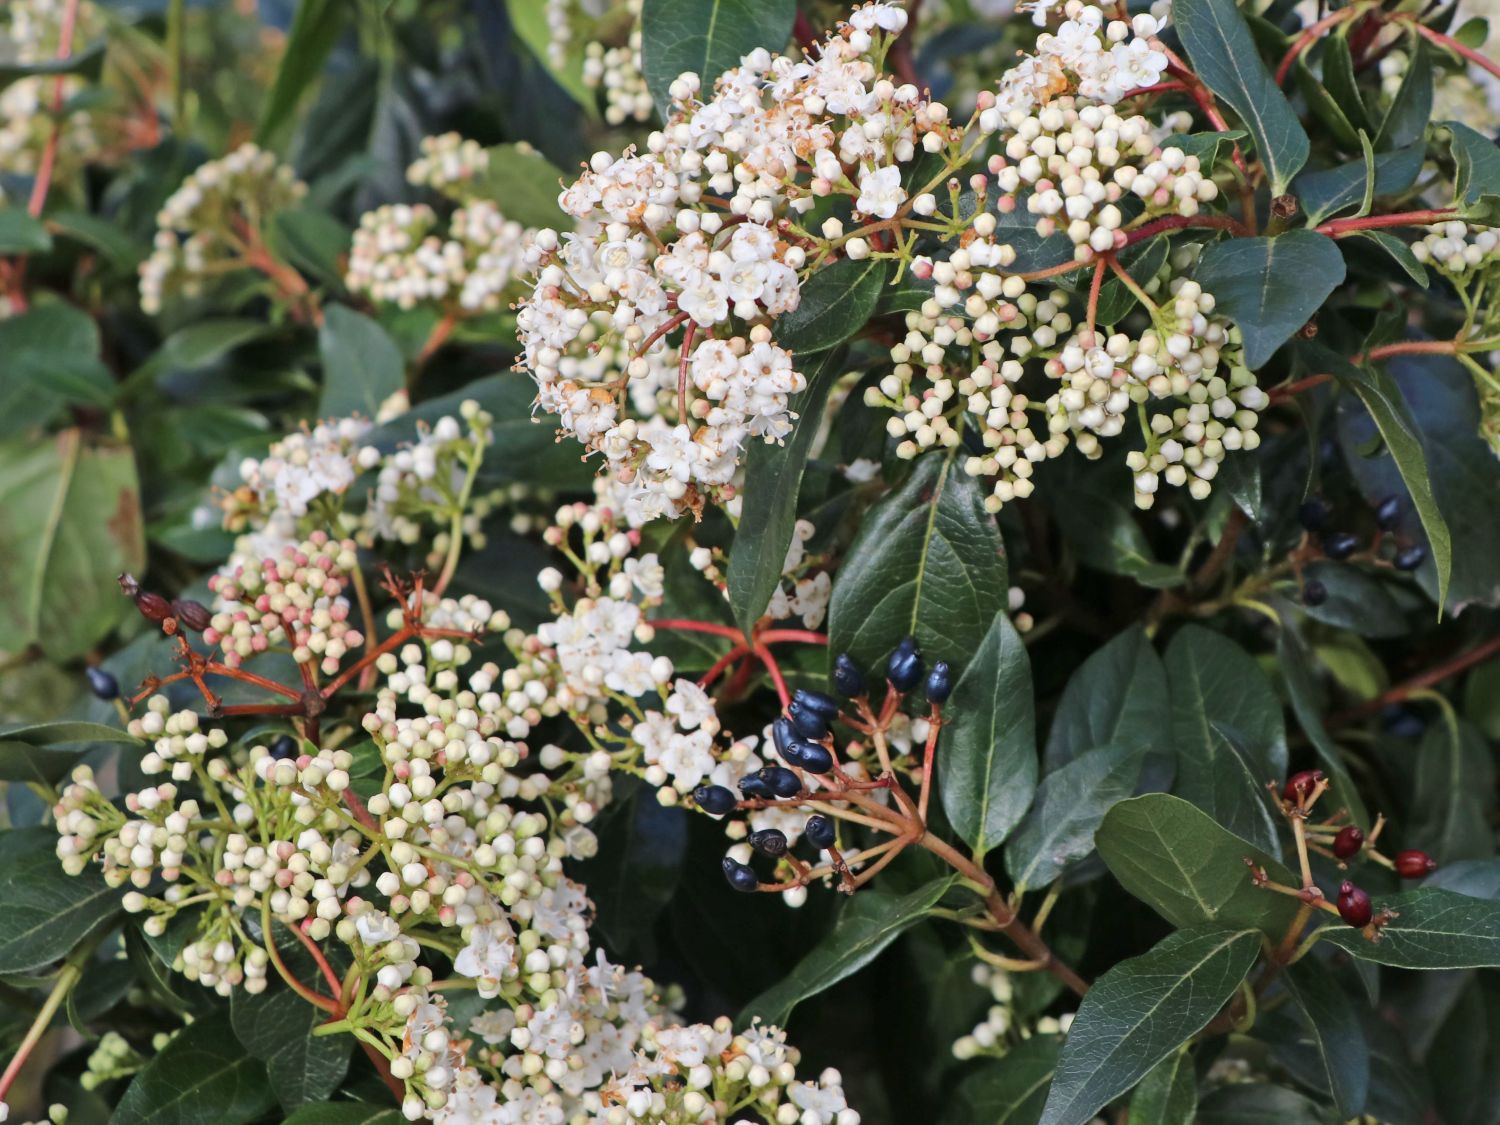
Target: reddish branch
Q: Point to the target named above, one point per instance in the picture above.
(1406, 689)
(1340, 227)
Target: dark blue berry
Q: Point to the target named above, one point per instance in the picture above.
(1340, 545)
(1314, 592)
(848, 678)
(812, 757)
(1409, 558)
(1313, 514)
(1388, 512)
(819, 832)
(755, 788)
(769, 841)
(808, 722)
(740, 877)
(283, 746)
(1402, 722)
(783, 733)
(904, 669)
(939, 683)
(714, 799)
(101, 683)
(818, 703)
(780, 781)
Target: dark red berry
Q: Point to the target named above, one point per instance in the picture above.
(101, 683)
(1354, 906)
(1314, 592)
(819, 832)
(1340, 545)
(1348, 842)
(153, 607)
(769, 841)
(1299, 785)
(1409, 558)
(1414, 864)
(193, 615)
(740, 877)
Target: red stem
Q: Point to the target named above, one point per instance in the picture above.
(739, 652)
(1426, 680)
(1178, 222)
(772, 636)
(1098, 284)
(1457, 48)
(44, 169)
(1339, 227)
(775, 669)
(687, 625)
(317, 955)
(1308, 37)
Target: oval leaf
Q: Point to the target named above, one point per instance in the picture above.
(1435, 929)
(835, 304)
(362, 366)
(1119, 694)
(202, 1077)
(706, 37)
(46, 911)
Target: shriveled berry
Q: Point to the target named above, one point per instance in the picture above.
(780, 781)
(1348, 842)
(740, 877)
(809, 723)
(939, 683)
(1409, 558)
(1354, 905)
(818, 703)
(194, 615)
(153, 607)
(284, 746)
(128, 585)
(848, 677)
(1414, 864)
(101, 683)
(1313, 514)
(1388, 513)
(1340, 545)
(1299, 785)
(714, 799)
(1314, 592)
(769, 841)
(819, 832)
(904, 669)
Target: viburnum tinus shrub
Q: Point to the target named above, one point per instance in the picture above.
(749, 561)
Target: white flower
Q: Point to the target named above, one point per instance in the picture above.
(880, 192)
(488, 957)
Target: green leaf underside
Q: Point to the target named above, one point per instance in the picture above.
(1141, 1011)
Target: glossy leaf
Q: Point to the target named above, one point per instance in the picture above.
(21, 234)
(1258, 1103)
(1271, 286)
(1106, 536)
(867, 924)
(1436, 929)
(1477, 160)
(1454, 795)
(362, 367)
(1224, 55)
(1010, 1090)
(986, 765)
(1307, 702)
(1324, 194)
(1168, 1095)
(46, 911)
(1176, 859)
(1331, 1020)
(1069, 805)
(773, 483)
(527, 185)
(314, 31)
(1226, 725)
(929, 562)
(1411, 109)
(1118, 695)
(47, 752)
(706, 37)
(835, 304)
(202, 1077)
(70, 522)
(1141, 1011)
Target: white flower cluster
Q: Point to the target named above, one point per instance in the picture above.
(431, 479)
(212, 223)
(1459, 249)
(617, 70)
(999, 1029)
(449, 164)
(1074, 164)
(31, 34)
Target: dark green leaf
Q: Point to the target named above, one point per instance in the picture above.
(1399, 251)
(202, 1077)
(1225, 57)
(313, 241)
(69, 524)
(1477, 159)
(773, 481)
(1307, 704)
(1338, 77)
(314, 32)
(1220, 696)
(1168, 1095)
(868, 923)
(1436, 929)
(1411, 109)
(123, 251)
(905, 295)
(987, 764)
(1258, 1103)
(1479, 878)
(1454, 795)
(835, 304)
(1118, 695)
(526, 185)
(1141, 1011)
(346, 1113)
(1070, 803)
(47, 912)
(1272, 286)
(38, 753)
(530, 22)
(1335, 1027)
(1173, 857)
(21, 234)
(706, 37)
(52, 355)
(1205, 146)
(1106, 536)
(1326, 193)
(928, 561)
(87, 63)
(1142, 261)
(361, 366)
(1007, 1091)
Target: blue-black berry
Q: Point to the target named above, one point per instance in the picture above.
(1313, 514)
(939, 683)
(769, 841)
(1340, 545)
(283, 746)
(1401, 721)
(740, 877)
(848, 678)
(783, 733)
(1409, 558)
(904, 669)
(1388, 512)
(1314, 592)
(808, 722)
(819, 832)
(714, 799)
(811, 757)
(779, 781)
(818, 703)
(101, 683)
(755, 787)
